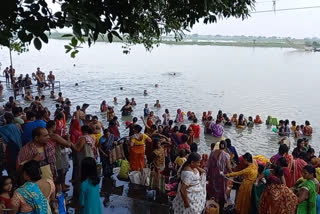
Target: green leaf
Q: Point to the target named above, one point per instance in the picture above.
(74, 42)
(37, 43)
(66, 35)
(77, 30)
(35, 8)
(73, 54)
(44, 38)
(30, 37)
(44, 11)
(110, 37)
(116, 34)
(22, 36)
(68, 48)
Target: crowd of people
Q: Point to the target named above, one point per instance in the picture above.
(37, 145)
(22, 84)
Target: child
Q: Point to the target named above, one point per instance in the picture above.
(258, 120)
(181, 158)
(90, 189)
(6, 190)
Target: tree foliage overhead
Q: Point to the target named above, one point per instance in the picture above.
(139, 21)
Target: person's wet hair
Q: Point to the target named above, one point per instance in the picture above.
(283, 149)
(283, 162)
(194, 147)
(222, 144)
(8, 117)
(50, 124)
(193, 157)
(137, 128)
(85, 129)
(310, 169)
(248, 157)
(228, 141)
(32, 169)
(89, 171)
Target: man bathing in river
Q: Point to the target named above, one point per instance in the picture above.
(96, 127)
(157, 104)
(51, 78)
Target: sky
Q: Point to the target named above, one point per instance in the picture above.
(295, 23)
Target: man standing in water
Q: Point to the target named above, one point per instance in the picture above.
(96, 127)
(6, 74)
(51, 78)
(79, 115)
(157, 104)
(12, 72)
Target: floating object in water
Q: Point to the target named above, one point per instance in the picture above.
(156, 85)
(121, 88)
(76, 84)
(275, 130)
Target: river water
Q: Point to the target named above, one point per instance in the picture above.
(267, 81)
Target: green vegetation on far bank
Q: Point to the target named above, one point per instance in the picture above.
(218, 40)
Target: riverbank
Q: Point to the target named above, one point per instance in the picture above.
(237, 41)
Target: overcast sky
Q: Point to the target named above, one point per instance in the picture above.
(295, 23)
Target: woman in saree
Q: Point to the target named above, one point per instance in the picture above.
(75, 133)
(249, 174)
(277, 198)
(179, 117)
(106, 145)
(191, 194)
(85, 147)
(297, 167)
(34, 196)
(283, 150)
(307, 192)
(137, 149)
(217, 129)
(219, 161)
(207, 125)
